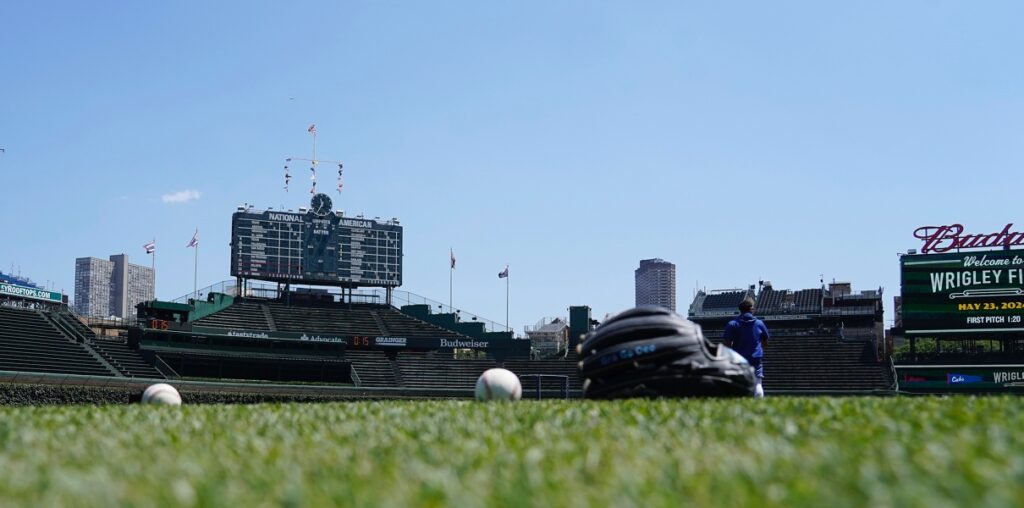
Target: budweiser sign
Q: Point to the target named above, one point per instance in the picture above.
(947, 238)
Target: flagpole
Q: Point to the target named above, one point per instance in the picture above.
(506, 300)
(195, 274)
(451, 276)
(153, 266)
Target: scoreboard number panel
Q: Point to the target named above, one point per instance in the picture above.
(316, 247)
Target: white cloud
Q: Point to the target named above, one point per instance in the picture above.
(180, 197)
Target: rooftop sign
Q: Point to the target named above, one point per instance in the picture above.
(939, 239)
(27, 292)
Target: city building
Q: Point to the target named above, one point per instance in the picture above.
(656, 283)
(549, 336)
(113, 287)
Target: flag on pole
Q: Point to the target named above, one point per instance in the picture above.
(150, 247)
(312, 129)
(452, 252)
(340, 171)
(195, 240)
(504, 273)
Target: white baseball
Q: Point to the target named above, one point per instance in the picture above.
(498, 384)
(161, 393)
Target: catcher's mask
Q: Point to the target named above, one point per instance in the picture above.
(650, 351)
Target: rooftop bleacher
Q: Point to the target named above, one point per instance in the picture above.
(19, 280)
(807, 301)
(724, 300)
(770, 300)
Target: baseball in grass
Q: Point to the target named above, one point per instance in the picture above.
(161, 393)
(498, 384)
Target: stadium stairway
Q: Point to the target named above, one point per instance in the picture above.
(269, 317)
(113, 351)
(372, 368)
(125, 359)
(31, 342)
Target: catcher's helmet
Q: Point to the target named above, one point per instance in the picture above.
(651, 351)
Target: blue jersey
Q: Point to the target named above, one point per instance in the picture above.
(746, 333)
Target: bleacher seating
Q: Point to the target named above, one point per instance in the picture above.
(127, 360)
(29, 342)
(114, 350)
(723, 301)
(438, 370)
(239, 316)
(359, 320)
(807, 301)
(372, 368)
(770, 301)
(820, 363)
(396, 323)
(326, 320)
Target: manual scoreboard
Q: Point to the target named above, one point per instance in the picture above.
(316, 246)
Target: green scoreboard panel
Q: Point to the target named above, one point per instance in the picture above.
(963, 293)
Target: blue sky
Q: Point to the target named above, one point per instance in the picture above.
(741, 141)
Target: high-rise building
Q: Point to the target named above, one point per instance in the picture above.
(111, 288)
(656, 283)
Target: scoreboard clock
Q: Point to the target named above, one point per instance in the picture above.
(316, 246)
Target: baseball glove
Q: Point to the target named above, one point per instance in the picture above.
(651, 351)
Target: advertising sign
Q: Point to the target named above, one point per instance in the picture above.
(960, 378)
(27, 292)
(958, 293)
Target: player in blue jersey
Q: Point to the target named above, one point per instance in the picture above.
(748, 336)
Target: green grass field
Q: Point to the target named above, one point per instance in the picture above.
(831, 452)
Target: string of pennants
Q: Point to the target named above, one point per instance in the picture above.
(312, 168)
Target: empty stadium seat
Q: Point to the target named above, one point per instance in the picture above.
(29, 342)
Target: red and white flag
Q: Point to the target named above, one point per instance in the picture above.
(194, 242)
(150, 247)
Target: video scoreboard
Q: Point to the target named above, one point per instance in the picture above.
(963, 292)
(309, 247)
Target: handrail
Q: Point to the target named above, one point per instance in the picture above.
(160, 365)
(892, 368)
